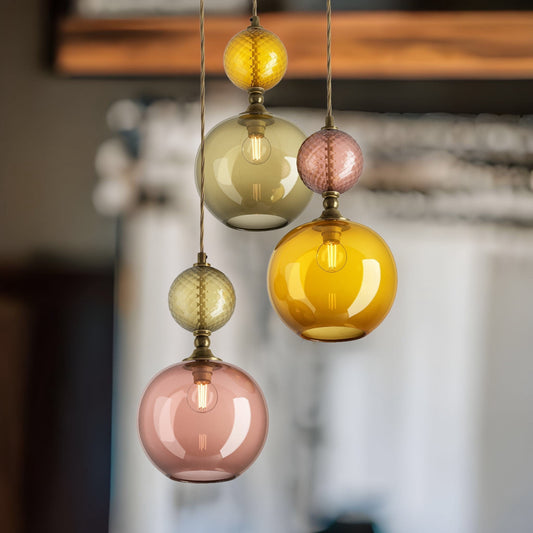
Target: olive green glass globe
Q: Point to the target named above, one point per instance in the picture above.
(251, 177)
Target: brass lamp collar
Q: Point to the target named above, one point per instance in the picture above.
(254, 22)
(202, 351)
(331, 206)
(256, 105)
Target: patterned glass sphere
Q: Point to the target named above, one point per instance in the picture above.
(201, 297)
(251, 180)
(255, 57)
(332, 280)
(330, 160)
(203, 421)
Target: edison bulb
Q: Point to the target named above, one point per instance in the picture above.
(331, 256)
(202, 395)
(256, 148)
(251, 178)
(203, 421)
(332, 280)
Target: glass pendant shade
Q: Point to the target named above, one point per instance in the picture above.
(203, 421)
(332, 280)
(255, 57)
(330, 160)
(251, 179)
(201, 298)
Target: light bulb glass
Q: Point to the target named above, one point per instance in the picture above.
(202, 397)
(332, 280)
(203, 421)
(261, 194)
(331, 256)
(255, 57)
(256, 149)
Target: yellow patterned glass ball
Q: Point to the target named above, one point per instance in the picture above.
(255, 57)
(201, 297)
(332, 280)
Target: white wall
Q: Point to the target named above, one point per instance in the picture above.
(425, 425)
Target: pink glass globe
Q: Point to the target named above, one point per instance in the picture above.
(203, 421)
(330, 160)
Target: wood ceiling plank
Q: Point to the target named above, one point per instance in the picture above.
(366, 45)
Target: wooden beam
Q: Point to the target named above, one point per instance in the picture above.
(378, 45)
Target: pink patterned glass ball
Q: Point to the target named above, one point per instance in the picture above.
(330, 160)
(203, 421)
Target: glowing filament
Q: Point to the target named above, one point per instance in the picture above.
(255, 141)
(256, 147)
(202, 396)
(332, 255)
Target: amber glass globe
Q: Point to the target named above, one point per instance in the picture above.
(332, 280)
(255, 57)
(203, 421)
(251, 179)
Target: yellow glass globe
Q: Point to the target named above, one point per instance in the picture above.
(251, 177)
(332, 280)
(255, 57)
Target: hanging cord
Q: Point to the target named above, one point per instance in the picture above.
(255, 19)
(330, 123)
(201, 256)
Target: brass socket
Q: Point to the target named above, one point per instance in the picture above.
(202, 373)
(331, 234)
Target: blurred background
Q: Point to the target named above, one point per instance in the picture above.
(426, 425)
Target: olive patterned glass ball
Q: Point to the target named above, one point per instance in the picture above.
(255, 57)
(330, 160)
(201, 297)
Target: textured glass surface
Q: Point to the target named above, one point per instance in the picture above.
(330, 160)
(332, 280)
(261, 195)
(203, 422)
(201, 297)
(255, 57)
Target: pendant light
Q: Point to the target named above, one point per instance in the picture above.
(251, 176)
(331, 279)
(202, 420)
